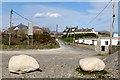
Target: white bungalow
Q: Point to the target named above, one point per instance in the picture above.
(80, 40)
(105, 41)
(88, 41)
(101, 44)
(84, 31)
(75, 30)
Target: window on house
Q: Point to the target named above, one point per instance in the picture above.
(92, 41)
(106, 42)
(118, 43)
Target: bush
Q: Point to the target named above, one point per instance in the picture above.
(42, 38)
(69, 38)
(22, 39)
(80, 71)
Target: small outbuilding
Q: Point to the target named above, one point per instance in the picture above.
(104, 43)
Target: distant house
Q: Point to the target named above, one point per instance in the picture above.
(70, 30)
(75, 30)
(116, 35)
(23, 29)
(101, 44)
(104, 43)
(14, 28)
(88, 41)
(87, 30)
(37, 29)
(19, 29)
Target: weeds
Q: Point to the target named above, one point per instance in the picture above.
(80, 71)
(105, 54)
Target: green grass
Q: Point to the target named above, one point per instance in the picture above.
(103, 54)
(80, 71)
(68, 39)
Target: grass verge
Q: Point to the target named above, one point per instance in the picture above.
(80, 71)
(103, 54)
(68, 39)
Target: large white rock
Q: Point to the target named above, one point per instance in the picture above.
(91, 64)
(22, 64)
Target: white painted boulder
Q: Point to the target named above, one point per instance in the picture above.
(91, 64)
(22, 64)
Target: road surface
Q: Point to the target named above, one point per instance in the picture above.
(54, 63)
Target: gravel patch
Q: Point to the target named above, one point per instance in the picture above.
(60, 63)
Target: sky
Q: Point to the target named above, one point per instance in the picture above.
(50, 14)
(57, 0)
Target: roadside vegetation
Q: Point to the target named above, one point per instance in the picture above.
(116, 48)
(102, 54)
(103, 34)
(80, 71)
(69, 38)
(23, 41)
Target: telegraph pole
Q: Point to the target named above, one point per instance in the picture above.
(56, 35)
(11, 12)
(32, 34)
(28, 34)
(111, 27)
(74, 37)
(57, 29)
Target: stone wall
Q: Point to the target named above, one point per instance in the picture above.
(90, 47)
(98, 49)
(115, 48)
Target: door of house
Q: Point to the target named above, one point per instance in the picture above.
(102, 48)
(93, 42)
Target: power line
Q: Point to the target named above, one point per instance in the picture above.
(24, 17)
(98, 14)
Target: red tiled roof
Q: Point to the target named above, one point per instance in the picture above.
(37, 28)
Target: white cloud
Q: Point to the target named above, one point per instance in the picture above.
(55, 15)
(37, 15)
(50, 15)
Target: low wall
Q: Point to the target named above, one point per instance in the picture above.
(90, 47)
(115, 48)
(98, 49)
(95, 47)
